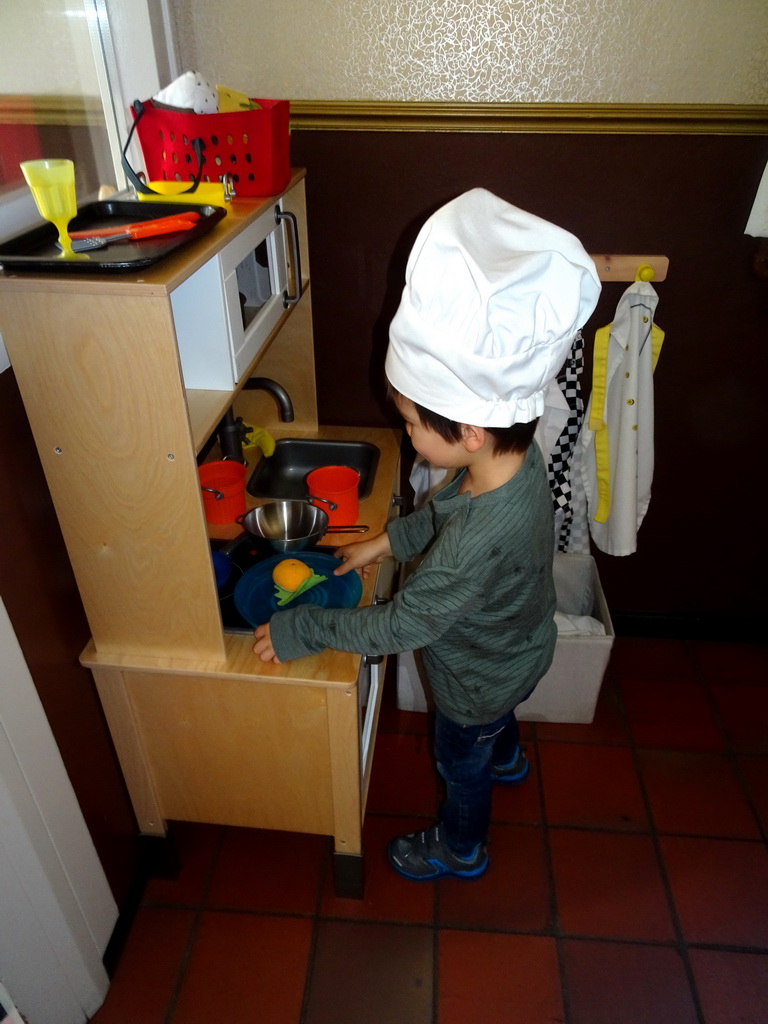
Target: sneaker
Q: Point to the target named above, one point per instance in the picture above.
(423, 856)
(513, 773)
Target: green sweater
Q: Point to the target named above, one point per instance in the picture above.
(480, 606)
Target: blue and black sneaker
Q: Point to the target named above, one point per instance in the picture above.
(514, 772)
(424, 857)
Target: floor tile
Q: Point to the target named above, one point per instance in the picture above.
(371, 974)
(393, 720)
(513, 894)
(520, 803)
(609, 885)
(642, 659)
(673, 714)
(608, 727)
(621, 983)
(696, 794)
(498, 979)
(591, 786)
(404, 779)
(271, 871)
(732, 663)
(743, 710)
(720, 889)
(754, 774)
(388, 897)
(732, 987)
(146, 976)
(196, 847)
(245, 967)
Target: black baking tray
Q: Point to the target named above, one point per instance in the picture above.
(36, 250)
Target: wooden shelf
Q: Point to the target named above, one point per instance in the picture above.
(627, 268)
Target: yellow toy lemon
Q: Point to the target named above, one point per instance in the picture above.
(290, 574)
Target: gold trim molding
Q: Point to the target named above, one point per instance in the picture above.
(603, 118)
(368, 116)
(71, 111)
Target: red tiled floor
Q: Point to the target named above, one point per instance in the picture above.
(621, 983)
(242, 961)
(591, 786)
(149, 967)
(371, 974)
(196, 847)
(392, 720)
(670, 713)
(697, 794)
(637, 839)
(732, 663)
(732, 987)
(720, 889)
(743, 709)
(521, 803)
(273, 871)
(634, 658)
(754, 772)
(403, 778)
(498, 979)
(609, 885)
(513, 894)
(388, 897)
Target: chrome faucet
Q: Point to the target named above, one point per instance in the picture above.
(232, 432)
(277, 391)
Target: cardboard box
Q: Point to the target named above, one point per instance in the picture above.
(569, 690)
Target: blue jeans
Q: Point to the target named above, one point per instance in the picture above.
(464, 755)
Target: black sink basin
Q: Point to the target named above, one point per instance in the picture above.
(283, 474)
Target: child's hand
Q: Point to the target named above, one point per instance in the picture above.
(263, 646)
(363, 555)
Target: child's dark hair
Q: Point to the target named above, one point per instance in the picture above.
(516, 438)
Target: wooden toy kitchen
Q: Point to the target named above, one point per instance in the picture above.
(126, 378)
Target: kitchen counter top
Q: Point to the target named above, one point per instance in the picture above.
(338, 668)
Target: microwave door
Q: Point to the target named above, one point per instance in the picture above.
(254, 286)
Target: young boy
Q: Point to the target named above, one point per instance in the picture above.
(493, 299)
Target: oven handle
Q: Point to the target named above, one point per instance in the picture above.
(375, 659)
(280, 215)
(373, 672)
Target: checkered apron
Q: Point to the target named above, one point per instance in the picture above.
(560, 468)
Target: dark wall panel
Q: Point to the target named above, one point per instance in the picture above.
(40, 595)
(683, 196)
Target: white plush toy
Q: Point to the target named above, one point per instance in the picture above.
(191, 93)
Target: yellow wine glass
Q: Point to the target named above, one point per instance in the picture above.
(53, 187)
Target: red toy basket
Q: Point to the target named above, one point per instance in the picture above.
(251, 145)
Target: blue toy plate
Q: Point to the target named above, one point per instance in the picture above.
(255, 597)
(222, 568)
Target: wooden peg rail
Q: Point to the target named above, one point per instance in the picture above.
(626, 268)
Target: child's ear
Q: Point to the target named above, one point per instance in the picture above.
(473, 438)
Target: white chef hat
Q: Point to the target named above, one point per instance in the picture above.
(493, 299)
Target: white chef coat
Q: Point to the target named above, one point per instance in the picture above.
(617, 436)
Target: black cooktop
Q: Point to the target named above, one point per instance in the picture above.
(244, 552)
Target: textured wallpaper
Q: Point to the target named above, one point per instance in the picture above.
(584, 51)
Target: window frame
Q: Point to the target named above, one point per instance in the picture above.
(132, 45)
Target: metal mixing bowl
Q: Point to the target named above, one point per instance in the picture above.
(287, 525)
